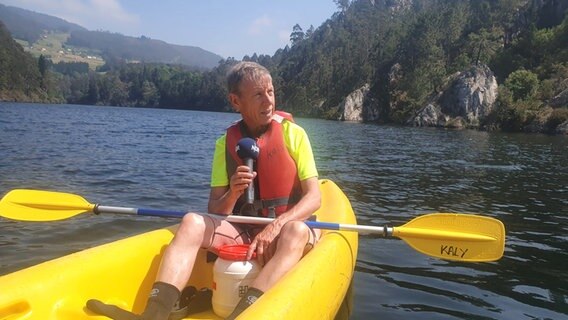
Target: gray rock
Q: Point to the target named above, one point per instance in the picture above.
(468, 99)
(357, 106)
(562, 128)
(560, 100)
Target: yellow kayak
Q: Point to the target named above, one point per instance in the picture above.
(122, 273)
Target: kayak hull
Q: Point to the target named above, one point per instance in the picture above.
(122, 273)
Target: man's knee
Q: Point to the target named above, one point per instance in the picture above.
(193, 223)
(295, 230)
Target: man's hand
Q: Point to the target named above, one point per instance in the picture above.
(222, 199)
(241, 179)
(264, 243)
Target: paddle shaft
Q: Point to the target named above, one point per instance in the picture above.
(385, 230)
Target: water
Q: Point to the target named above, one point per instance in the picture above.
(161, 159)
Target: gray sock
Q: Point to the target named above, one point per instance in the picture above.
(246, 301)
(159, 306)
(162, 299)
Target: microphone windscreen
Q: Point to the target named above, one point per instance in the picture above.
(247, 148)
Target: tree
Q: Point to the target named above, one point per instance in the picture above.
(483, 45)
(150, 94)
(342, 5)
(19, 72)
(93, 95)
(43, 65)
(113, 91)
(309, 32)
(297, 35)
(522, 84)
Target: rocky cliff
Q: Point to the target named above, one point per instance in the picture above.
(358, 106)
(468, 98)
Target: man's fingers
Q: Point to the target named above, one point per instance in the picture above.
(251, 249)
(260, 255)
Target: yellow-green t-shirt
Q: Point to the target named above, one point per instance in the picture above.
(298, 146)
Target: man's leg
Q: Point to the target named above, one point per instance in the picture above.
(294, 241)
(194, 232)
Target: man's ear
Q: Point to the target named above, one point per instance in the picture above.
(234, 100)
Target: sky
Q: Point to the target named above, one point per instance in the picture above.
(228, 28)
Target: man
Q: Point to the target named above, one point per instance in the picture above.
(285, 170)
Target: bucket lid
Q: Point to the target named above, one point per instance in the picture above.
(235, 252)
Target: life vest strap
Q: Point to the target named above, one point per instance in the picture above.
(269, 204)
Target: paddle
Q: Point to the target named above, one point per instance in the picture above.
(451, 236)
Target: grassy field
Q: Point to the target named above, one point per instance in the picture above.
(53, 46)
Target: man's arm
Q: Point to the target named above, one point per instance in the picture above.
(308, 204)
(222, 199)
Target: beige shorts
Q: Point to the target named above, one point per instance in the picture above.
(225, 233)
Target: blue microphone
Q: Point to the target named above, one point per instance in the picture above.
(248, 151)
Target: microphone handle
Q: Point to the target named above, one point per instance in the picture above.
(249, 193)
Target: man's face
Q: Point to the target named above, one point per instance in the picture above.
(255, 102)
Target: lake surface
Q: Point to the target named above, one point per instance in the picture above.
(162, 159)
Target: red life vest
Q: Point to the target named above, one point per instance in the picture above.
(277, 186)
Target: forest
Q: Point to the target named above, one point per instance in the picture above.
(524, 43)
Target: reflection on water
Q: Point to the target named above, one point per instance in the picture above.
(161, 159)
(394, 174)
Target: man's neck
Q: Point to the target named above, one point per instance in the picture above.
(254, 133)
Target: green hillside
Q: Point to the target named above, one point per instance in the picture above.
(39, 31)
(53, 46)
(30, 26)
(21, 78)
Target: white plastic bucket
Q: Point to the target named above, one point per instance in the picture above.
(232, 275)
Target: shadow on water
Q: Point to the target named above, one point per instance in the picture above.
(161, 159)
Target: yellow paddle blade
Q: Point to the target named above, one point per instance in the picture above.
(451, 236)
(35, 205)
